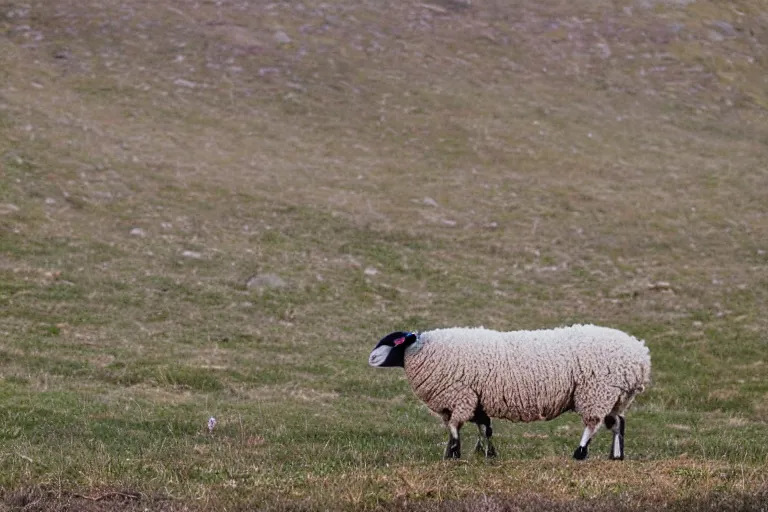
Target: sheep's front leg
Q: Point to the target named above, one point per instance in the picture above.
(591, 427)
(454, 417)
(453, 450)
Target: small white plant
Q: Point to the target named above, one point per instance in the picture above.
(211, 424)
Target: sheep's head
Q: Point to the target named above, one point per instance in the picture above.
(390, 351)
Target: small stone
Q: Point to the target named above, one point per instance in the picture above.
(449, 222)
(192, 254)
(725, 28)
(265, 281)
(138, 232)
(50, 200)
(715, 36)
(166, 225)
(370, 271)
(697, 323)
(8, 208)
(281, 37)
(430, 202)
(184, 83)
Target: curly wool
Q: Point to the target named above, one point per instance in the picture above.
(527, 375)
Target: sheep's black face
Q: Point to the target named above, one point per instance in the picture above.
(390, 351)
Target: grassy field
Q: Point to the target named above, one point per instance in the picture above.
(217, 208)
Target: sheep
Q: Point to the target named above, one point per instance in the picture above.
(475, 374)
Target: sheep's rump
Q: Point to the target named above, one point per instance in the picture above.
(528, 375)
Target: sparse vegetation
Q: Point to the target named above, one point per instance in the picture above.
(512, 164)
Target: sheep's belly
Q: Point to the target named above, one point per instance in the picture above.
(519, 409)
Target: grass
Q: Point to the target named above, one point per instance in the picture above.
(398, 166)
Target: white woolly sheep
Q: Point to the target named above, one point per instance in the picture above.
(475, 374)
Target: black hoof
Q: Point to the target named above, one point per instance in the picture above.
(479, 447)
(452, 454)
(453, 451)
(580, 453)
(490, 453)
(620, 457)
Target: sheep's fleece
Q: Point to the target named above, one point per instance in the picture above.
(474, 374)
(528, 375)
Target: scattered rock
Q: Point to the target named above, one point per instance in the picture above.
(434, 8)
(449, 222)
(8, 208)
(50, 201)
(660, 286)
(138, 232)
(430, 202)
(184, 83)
(265, 281)
(715, 36)
(192, 254)
(281, 37)
(370, 271)
(724, 28)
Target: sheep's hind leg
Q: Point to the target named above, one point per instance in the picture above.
(490, 451)
(453, 448)
(616, 424)
(479, 448)
(592, 424)
(484, 433)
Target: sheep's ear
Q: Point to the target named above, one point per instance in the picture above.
(407, 340)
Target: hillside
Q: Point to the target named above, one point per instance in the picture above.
(217, 208)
